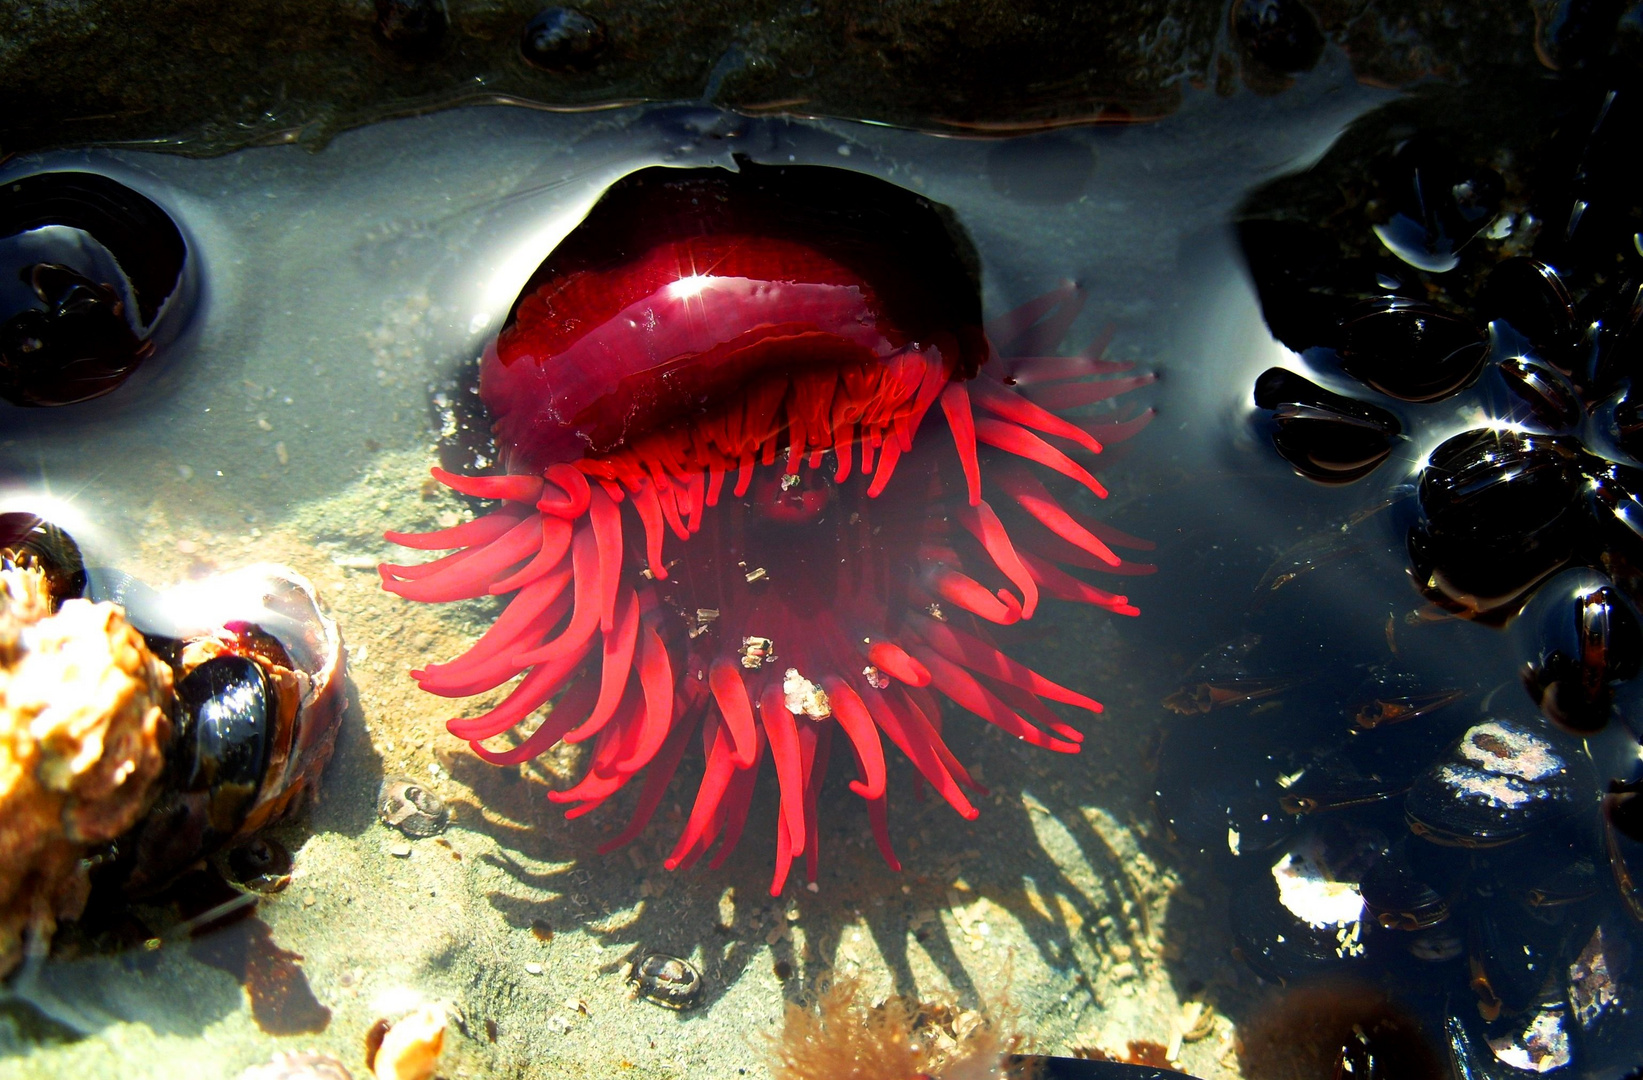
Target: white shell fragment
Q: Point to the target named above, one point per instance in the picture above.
(411, 1048)
(803, 697)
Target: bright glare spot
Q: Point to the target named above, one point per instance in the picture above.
(687, 287)
(61, 511)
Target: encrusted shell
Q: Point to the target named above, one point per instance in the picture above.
(265, 623)
(668, 981)
(411, 808)
(1500, 780)
(83, 725)
(412, 1045)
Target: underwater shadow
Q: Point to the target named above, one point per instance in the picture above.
(346, 800)
(1041, 856)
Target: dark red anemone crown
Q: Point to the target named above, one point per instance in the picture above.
(721, 517)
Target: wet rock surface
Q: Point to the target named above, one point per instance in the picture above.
(207, 77)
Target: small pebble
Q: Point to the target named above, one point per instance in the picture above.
(400, 851)
(261, 864)
(534, 968)
(411, 808)
(562, 40)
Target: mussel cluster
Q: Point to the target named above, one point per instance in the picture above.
(1487, 255)
(248, 682)
(1474, 863)
(94, 278)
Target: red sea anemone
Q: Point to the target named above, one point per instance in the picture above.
(728, 512)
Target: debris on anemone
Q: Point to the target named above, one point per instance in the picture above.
(726, 515)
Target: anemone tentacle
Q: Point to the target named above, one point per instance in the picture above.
(595, 626)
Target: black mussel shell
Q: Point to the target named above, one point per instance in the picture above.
(1399, 897)
(1284, 946)
(1217, 789)
(1388, 709)
(1468, 1051)
(1600, 989)
(1543, 395)
(1281, 35)
(1530, 297)
(1439, 945)
(1304, 284)
(1615, 334)
(1502, 510)
(1409, 350)
(225, 718)
(413, 28)
(1623, 808)
(1510, 954)
(563, 40)
(1595, 642)
(1439, 203)
(1605, 209)
(76, 345)
(1499, 782)
(252, 726)
(142, 237)
(1623, 837)
(1327, 437)
(222, 731)
(1560, 885)
(30, 541)
(1325, 787)
(1616, 502)
(1533, 1042)
(77, 318)
(1628, 421)
(1570, 34)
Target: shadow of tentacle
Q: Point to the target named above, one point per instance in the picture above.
(1060, 891)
